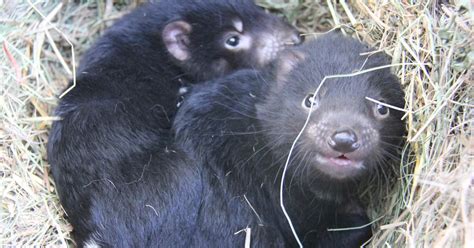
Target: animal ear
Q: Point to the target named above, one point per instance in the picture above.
(286, 62)
(176, 38)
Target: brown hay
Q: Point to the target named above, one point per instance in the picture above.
(431, 204)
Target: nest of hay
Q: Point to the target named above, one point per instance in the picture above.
(429, 204)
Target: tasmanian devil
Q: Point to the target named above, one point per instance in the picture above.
(218, 185)
(128, 82)
(238, 131)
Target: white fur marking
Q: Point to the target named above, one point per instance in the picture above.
(238, 25)
(91, 244)
(183, 90)
(245, 42)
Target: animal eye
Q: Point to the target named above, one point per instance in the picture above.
(308, 101)
(232, 41)
(381, 110)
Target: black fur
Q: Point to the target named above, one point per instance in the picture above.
(119, 114)
(238, 132)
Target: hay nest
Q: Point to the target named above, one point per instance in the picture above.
(430, 204)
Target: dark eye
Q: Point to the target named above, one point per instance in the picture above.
(233, 41)
(308, 100)
(381, 110)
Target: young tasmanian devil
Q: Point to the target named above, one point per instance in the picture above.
(128, 82)
(233, 136)
(239, 130)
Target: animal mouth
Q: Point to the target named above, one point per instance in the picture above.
(342, 160)
(339, 166)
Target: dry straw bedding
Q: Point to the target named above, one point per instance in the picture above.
(431, 202)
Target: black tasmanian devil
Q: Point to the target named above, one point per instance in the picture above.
(238, 132)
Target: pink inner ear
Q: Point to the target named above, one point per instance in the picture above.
(176, 39)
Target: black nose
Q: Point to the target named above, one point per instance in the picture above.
(298, 38)
(344, 141)
(295, 38)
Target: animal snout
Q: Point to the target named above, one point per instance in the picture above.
(296, 38)
(344, 141)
